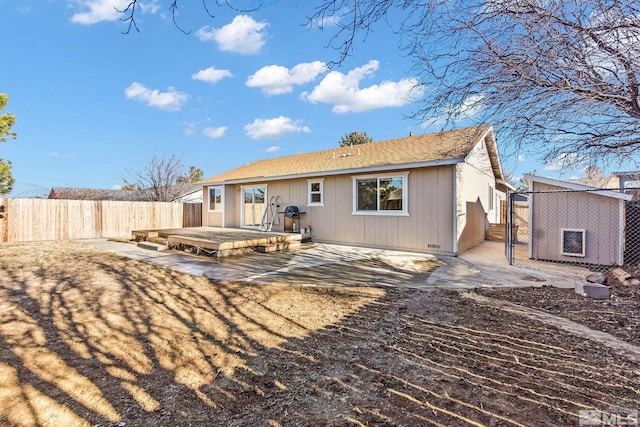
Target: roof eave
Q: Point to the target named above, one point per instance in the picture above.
(577, 187)
(380, 168)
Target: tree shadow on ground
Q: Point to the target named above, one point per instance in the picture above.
(90, 338)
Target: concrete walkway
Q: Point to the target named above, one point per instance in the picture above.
(323, 264)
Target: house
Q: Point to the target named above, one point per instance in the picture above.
(575, 223)
(96, 194)
(627, 182)
(191, 193)
(184, 193)
(429, 193)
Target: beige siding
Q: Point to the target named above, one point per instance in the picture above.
(474, 209)
(598, 215)
(430, 206)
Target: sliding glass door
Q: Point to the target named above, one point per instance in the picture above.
(253, 204)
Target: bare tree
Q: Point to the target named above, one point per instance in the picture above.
(129, 13)
(556, 77)
(159, 180)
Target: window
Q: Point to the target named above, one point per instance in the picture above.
(215, 198)
(490, 207)
(316, 197)
(380, 195)
(573, 242)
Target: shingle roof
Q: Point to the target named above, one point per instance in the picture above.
(69, 193)
(577, 187)
(96, 194)
(443, 147)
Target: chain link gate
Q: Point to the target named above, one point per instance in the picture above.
(595, 228)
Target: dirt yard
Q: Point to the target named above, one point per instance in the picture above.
(91, 338)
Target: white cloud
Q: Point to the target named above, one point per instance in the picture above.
(243, 35)
(276, 79)
(172, 100)
(190, 128)
(565, 163)
(552, 167)
(470, 107)
(328, 21)
(94, 11)
(214, 132)
(61, 156)
(274, 128)
(344, 92)
(151, 7)
(211, 75)
(273, 149)
(522, 158)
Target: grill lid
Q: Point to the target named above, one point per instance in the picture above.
(291, 211)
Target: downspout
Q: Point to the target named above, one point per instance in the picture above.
(455, 209)
(205, 207)
(531, 216)
(224, 205)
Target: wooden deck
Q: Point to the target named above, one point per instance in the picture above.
(219, 242)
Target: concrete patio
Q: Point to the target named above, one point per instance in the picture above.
(338, 265)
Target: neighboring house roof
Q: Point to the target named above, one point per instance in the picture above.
(635, 175)
(95, 194)
(576, 187)
(190, 193)
(519, 197)
(183, 191)
(441, 148)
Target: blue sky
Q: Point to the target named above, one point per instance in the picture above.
(91, 102)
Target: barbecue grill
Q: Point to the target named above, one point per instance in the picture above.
(292, 212)
(292, 219)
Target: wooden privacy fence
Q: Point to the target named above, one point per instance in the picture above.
(50, 219)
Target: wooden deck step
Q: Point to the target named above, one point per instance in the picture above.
(159, 240)
(280, 246)
(497, 232)
(143, 234)
(152, 246)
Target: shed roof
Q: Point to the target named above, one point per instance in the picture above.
(577, 187)
(432, 149)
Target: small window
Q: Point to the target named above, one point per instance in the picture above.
(215, 198)
(316, 197)
(573, 242)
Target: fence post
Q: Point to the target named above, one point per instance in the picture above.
(509, 232)
(4, 224)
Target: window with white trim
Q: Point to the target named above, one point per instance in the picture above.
(380, 194)
(573, 243)
(316, 192)
(215, 198)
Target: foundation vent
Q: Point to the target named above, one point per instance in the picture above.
(433, 246)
